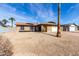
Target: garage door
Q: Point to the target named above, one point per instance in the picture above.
(51, 29)
(54, 29)
(72, 28)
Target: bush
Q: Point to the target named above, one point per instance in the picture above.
(5, 47)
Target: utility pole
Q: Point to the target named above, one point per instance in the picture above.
(58, 30)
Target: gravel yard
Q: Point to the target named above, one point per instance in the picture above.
(44, 44)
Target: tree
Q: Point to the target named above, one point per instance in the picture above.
(4, 21)
(12, 20)
(58, 30)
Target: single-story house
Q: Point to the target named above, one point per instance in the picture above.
(43, 27)
(70, 27)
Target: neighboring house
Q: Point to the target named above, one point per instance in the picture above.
(43, 27)
(1, 24)
(70, 27)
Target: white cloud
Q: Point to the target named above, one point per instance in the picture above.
(8, 8)
(7, 11)
(42, 12)
(73, 8)
(75, 19)
(72, 15)
(70, 9)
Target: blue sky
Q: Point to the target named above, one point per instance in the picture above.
(43, 12)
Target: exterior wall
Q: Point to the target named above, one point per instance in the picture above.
(27, 28)
(44, 28)
(17, 28)
(61, 28)
(33, 29)
(65, 28)
(49, 28)
(72, 28)
(78, 28)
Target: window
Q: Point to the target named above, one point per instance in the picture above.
(22, 28)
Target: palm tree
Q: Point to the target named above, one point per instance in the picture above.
(4, 21)
(58, 30)
(12, 20)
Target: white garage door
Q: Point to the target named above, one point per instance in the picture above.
(54, 29)
(72, 28)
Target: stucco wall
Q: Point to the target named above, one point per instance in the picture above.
(44, 28)
(61, 28)
(17, 28)
(49, 28)
(26, 28)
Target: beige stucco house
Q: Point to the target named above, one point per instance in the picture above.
(43, 27)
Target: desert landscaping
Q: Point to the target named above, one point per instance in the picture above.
(43, 43)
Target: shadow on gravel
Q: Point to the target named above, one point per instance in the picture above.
(47, 34)
(6, 48)
(74, 32)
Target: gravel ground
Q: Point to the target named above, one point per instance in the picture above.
(44, 44)
(5, 47)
